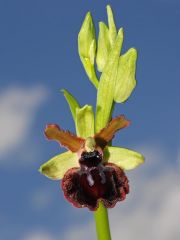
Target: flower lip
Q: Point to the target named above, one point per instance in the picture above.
(107, 183)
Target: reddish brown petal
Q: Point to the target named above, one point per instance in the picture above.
(65, 138)
(106, 134)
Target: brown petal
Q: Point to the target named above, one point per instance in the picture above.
(106, 134)
(65, 138)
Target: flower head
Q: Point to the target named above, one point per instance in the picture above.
(91, 171)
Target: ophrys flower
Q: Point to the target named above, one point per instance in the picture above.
(91, 171)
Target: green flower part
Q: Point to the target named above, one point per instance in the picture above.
(106, 39)
(125, 79)
(92, 158)
(73, 103)
(87, 48)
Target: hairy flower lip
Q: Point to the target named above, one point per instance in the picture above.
(79, 196)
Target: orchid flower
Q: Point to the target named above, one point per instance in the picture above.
(91, 171)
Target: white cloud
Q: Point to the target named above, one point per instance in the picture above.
(41, 198)
(18, 107)
(86, 230)
(38, 235)
(151, 211)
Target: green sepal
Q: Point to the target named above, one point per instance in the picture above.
(73, 103)
(87, 47)
(56, 167)
(126, 82)
(112, 25)
(105, 94)
(85, 121)
(103, 46)
(124, 158)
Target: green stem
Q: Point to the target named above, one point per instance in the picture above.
(102, 223)
(101, 214)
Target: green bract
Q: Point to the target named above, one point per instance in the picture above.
(73, 103)
(125, 80)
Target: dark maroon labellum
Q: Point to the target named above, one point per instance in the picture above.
(93, 182)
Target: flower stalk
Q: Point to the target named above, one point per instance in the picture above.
(102, 223)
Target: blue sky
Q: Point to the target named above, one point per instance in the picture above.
(38, 57)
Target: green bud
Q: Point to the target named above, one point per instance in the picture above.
(103, 46)
(87, 47)
(106, 39)
(112, 26)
